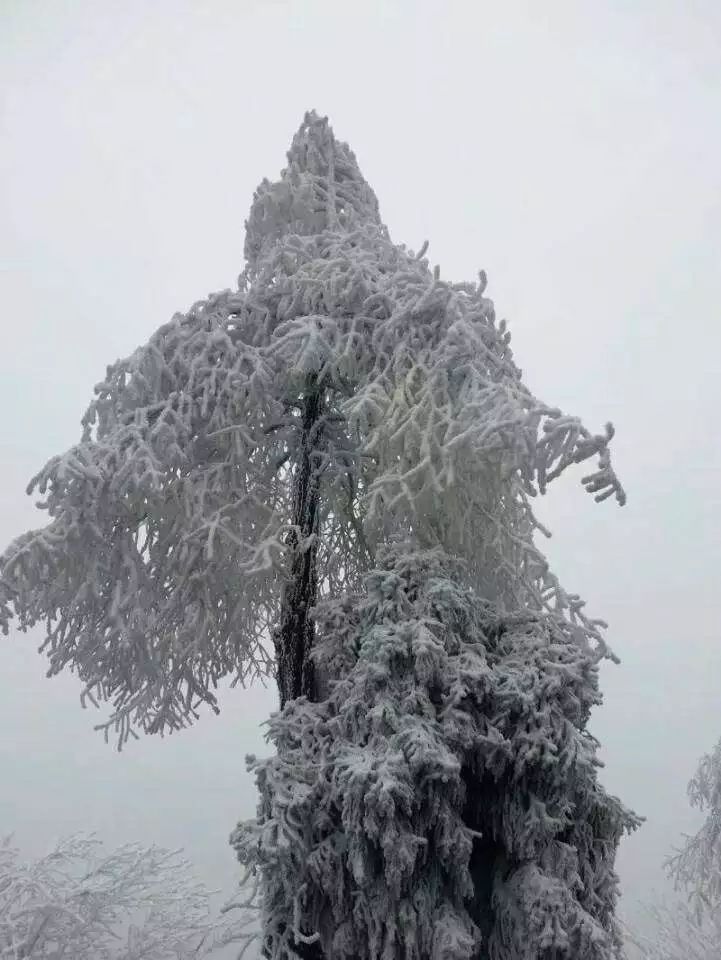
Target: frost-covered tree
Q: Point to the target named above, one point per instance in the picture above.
(234, 493)
(696, 867)
(80, 903)
(679, 933)
(690, 927)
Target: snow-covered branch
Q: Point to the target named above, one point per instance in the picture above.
(80, 903)
(443, 792)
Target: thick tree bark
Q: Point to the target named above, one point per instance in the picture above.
(294, 635)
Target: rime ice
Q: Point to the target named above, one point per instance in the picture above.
(239, 481)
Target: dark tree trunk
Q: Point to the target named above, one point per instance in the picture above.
(294, 635)
(487, 857)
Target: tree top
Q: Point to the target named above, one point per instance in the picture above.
(171, 523)
(322, 188)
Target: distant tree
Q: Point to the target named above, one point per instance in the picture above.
(79, 903)
(248, 467)
(696, 867)
(680, 933)
(689, 928)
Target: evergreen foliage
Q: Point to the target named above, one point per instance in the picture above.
(441, 800)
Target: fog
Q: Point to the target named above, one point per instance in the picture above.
(572, 150)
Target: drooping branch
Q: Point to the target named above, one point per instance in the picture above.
(443, 799)
(171, 520)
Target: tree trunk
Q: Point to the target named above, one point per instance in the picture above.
(487, 858)
(294, 635)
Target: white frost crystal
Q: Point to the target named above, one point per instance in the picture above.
(434, 793)
(441, 801)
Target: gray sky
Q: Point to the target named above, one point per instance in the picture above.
(572, 149)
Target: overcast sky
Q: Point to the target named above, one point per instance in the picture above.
(570, 148)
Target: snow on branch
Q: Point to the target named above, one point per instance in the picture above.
(160, 570)
(441, 799)
(80, 903)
